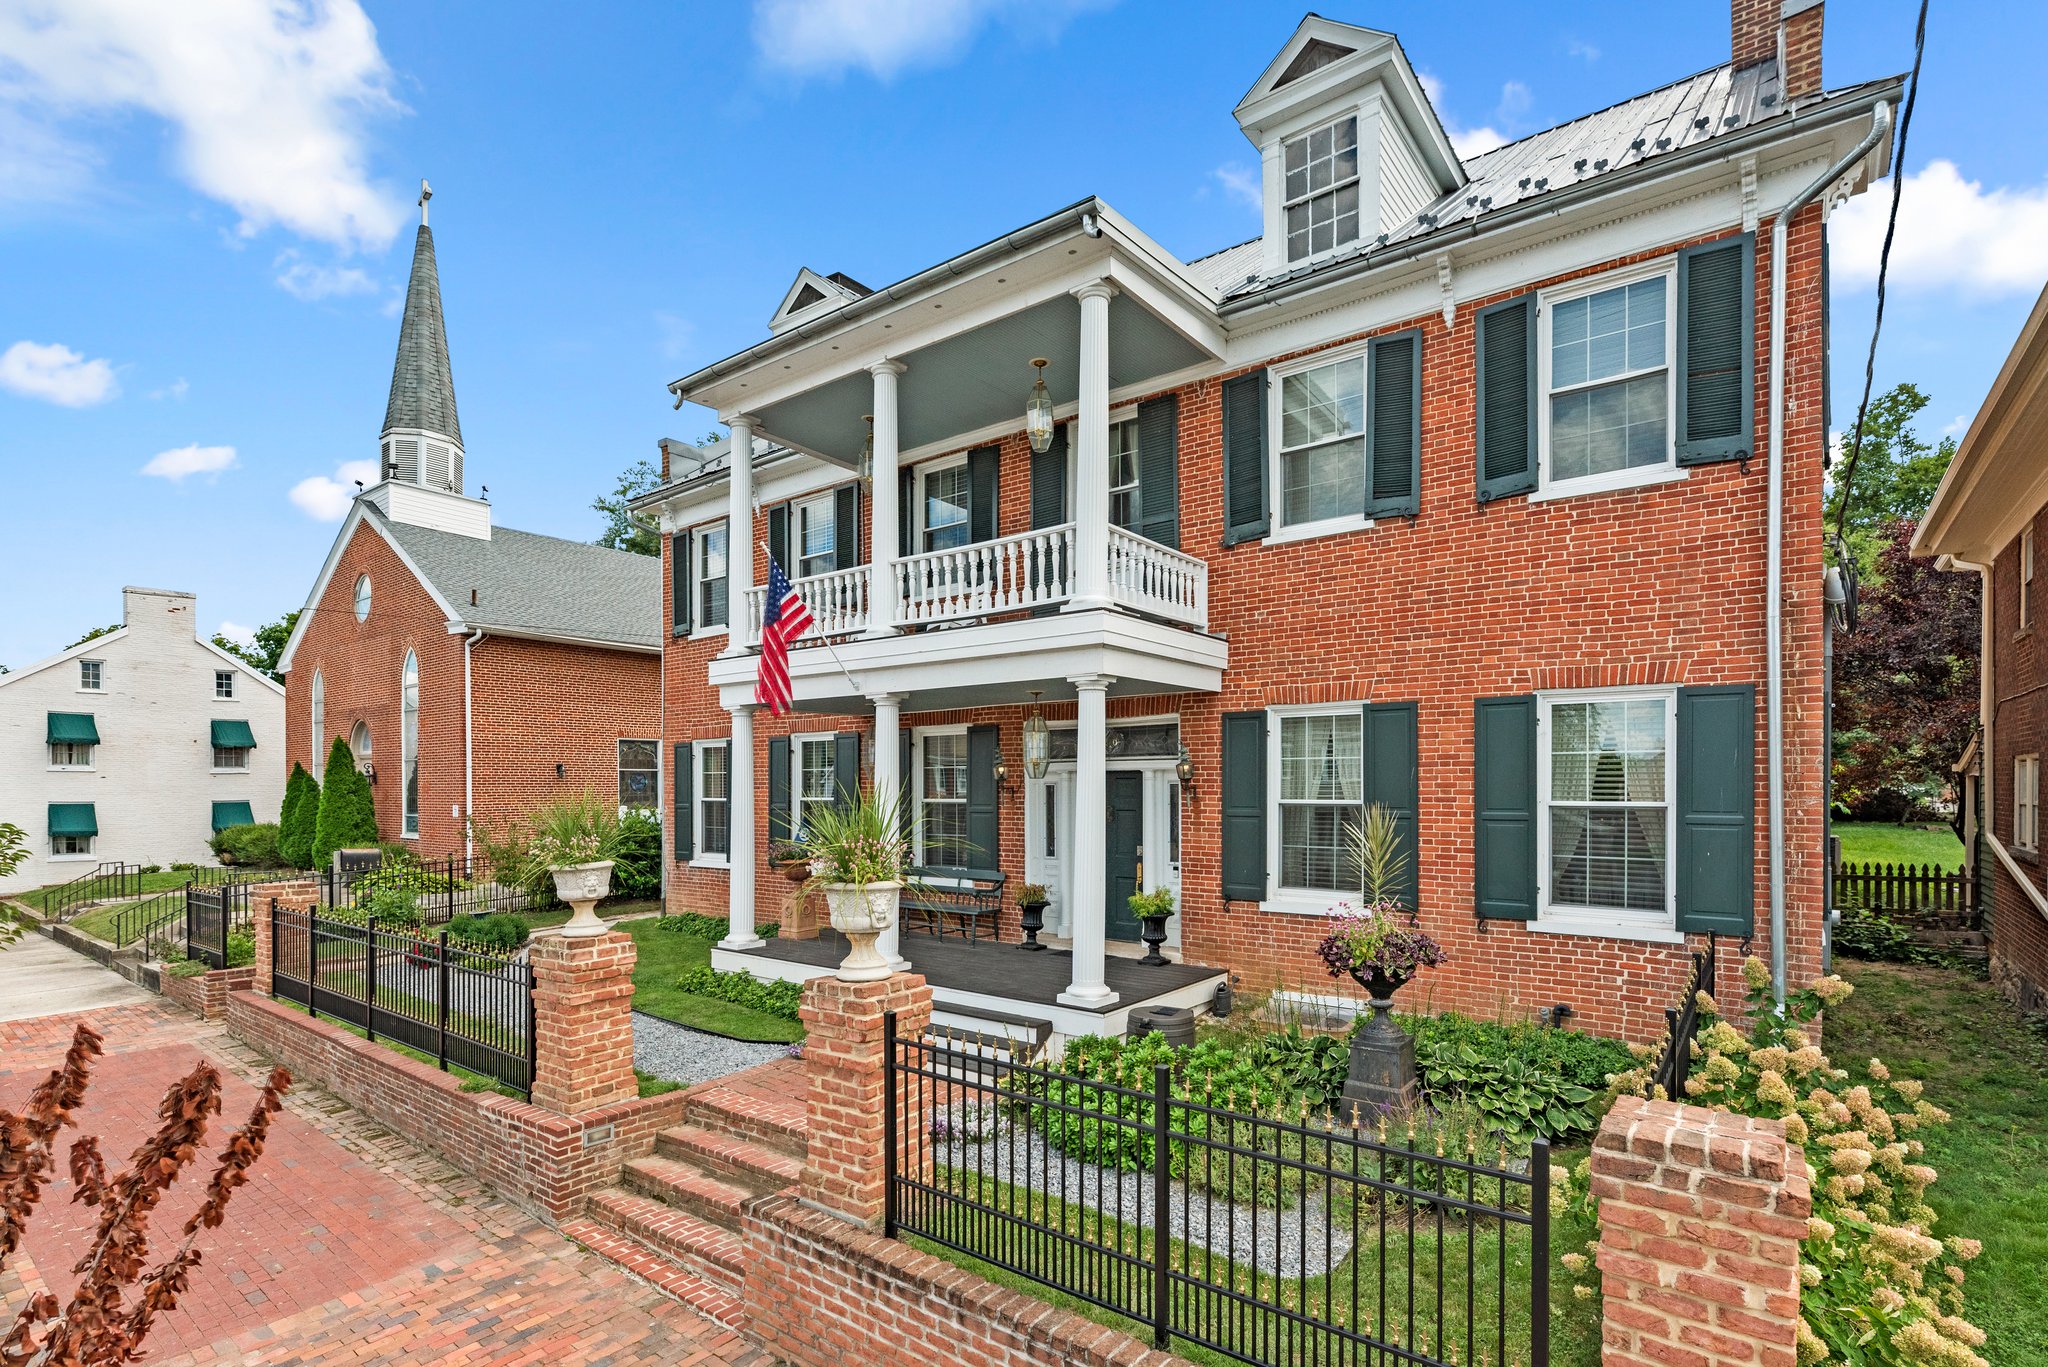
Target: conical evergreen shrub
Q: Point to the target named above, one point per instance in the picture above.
(347, 813)
(295, 822)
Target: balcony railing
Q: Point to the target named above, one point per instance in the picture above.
(838, 601)
(1157, 579)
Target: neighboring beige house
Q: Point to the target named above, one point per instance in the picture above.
(136, 746)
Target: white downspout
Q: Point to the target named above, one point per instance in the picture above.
(468, 756)
(1774, 554)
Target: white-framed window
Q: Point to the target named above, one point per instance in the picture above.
(2026, 802)
(710, 544)
(1604, 771)
(92, 676)
(409, 745)
(319, 721)
(1319, 189)
(1319, 448)
(230, 757)
(223, 683)
(1316, 757)
(714, 801)
(944, 498)
(640, 775)
(362, 598)
(1604, 355)
(942, 798)
(817, 536)
(2026, 578)
(813, 775)
(1123, 473)
(71, 844)
(70, 754)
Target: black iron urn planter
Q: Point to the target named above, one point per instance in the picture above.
(1381, 956)
(1033, 921)
(1152, 930)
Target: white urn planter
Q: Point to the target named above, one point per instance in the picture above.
(583, 886)
(861, 912)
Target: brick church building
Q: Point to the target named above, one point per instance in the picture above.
(476, 671)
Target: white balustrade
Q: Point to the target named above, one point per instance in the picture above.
(1010, 574)
(1157, 579)
(838, 601)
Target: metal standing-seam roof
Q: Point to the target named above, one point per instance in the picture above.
(542, 585)
(422, 386)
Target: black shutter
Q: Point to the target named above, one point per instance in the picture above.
(906, 808)
(1506, 388)
(778, 538)
(1393, 439)
(1049, 482)
(981, 493)
(679, 583)
(1159, 471)
(984, 827)
(1504, 808)
(906, 510)
(1716, 864)
(682, 824)
(846, 766)
(1717, 351)
(1393, 779)
(778, 790)
(846, 527)
(1244, 806)
(1245, 517)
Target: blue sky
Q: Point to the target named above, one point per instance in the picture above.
(205, 225)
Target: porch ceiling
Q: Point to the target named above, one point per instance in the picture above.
(979, 378)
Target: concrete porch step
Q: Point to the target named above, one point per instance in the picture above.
(708, 1298)
(729, 1158)
(696, 1246)
(773, 1122)
(689, 1188)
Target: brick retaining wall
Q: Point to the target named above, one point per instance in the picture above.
(206, 994)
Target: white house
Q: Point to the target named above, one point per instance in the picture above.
(136, 746)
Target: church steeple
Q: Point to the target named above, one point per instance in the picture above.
(422, 438)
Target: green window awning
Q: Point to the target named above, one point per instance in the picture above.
(75, 728)
(73, 818)
(226, 814)
(233, 735)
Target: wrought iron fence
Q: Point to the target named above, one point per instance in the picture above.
(1282, 1241)
(212, 914)
(456, 1005)
(442, 889)
(1916, 891)
(106, 882)
(1682, 1024)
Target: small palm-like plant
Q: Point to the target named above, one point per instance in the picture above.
(577, 830)
(1376, 855)
(858, 842)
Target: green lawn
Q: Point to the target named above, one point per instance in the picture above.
(1989, 1070)
(665, 957)
(1881, 842)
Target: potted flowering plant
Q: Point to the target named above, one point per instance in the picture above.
(574, 841)
(857, 851)
(1152, 908)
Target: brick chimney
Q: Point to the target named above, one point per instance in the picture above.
(1787, 32)
(1755, 24)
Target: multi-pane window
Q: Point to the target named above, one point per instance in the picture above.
(814, 782)
(1609, 762)
(711, 576)
(91, 675)
(1320, 190)
(70, 844)
(2026, 802)
(223, 683)
(817, 536)
(71, 754)
(714, 799)
(640, 774)
(942, 793)
(1322, 442)
(1123, 473)
(946, 497)
(230, 757)
(1610, 382)
(1322, 799)
(2026, 578)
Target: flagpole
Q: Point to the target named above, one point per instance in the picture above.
(851, 681)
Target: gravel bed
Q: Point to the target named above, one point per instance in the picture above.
(680, 1054)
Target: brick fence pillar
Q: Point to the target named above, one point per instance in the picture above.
(1701, 1217)
(583, 1022)
(299, 895)
(846, 1060)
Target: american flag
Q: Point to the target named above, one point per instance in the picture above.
(784, 617)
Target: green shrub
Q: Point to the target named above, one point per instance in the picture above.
(241, 949)
(403, 873)
(249, 847)
(295, 822)
(184, 868)
(778, 999)
(701, 927)
(1530, 1079)
(500, 933)
(636, 857)
(152, 868)
(394, 908)
(347, 814)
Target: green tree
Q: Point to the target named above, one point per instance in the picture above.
(347, 814)
(622, 532)
(94, 635)
(13, 847)
(296, 822)
(269, 646)
(1896, 474)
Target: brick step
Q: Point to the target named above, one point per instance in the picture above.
(694, 1244)
(708, 1298)
(770, 1122)
(731, 1159)
(687, 1187)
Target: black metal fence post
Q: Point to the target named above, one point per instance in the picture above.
(441, 998)
(225, 901)
(188, 921)
(889, 1136)
(1539, 1253)
(370, 984)
(1162, 1197)
(532, 1034)
(312, 963)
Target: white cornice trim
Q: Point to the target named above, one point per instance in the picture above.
(360, 513)
(83, 648)
(2019, 875)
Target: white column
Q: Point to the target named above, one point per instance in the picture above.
(741, 854)
(884, 533)
(889, 793)
(1091, 764)
(1091, 454)
(739, 544)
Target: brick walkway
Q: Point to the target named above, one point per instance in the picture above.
(348, 1245)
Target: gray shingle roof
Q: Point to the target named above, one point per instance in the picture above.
(541, 584)
(422, 386)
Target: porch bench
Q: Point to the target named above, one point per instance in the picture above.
(939, 891)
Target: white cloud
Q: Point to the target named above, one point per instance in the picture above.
(326, 499)
(242, 636)
(1470, 142)
(885, 37)
(1579, 48)
(190, 460)
(56, 373)
(267, 100)
(176, 389)
(1953, 235)
(305, 280)
(1241, 183)
(1957, 425)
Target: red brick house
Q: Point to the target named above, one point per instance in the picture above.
(476, 671)
(1469, 488)
(1987, 518)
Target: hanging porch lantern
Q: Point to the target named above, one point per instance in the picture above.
(866, 471)
(1038, 409)
(1037, 741)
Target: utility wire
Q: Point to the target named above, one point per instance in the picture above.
(1883, 264)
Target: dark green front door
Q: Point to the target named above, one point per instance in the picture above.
(1126, 793)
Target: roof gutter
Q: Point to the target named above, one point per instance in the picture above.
(458, 628)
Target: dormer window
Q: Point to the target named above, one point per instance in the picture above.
(1321, 190)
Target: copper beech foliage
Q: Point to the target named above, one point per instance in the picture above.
(103, 1323)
